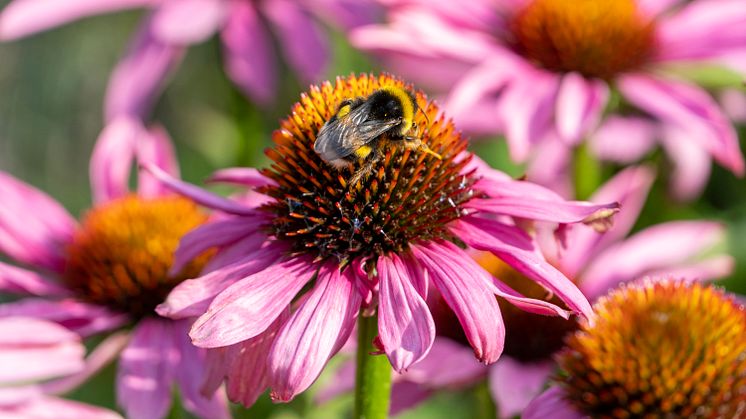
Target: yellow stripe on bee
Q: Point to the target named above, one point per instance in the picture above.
(343, 111)
(363, 151)
(406, 104)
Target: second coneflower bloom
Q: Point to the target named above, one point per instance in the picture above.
(300, 262)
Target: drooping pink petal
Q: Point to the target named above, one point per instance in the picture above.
(551, 404)
(624, 139)
(550, 167)
(311, 335)
(146, 370)
(183, 22)
(138, 78)
(345, 14)
(715, 267)
(112, 158)
(16, 280)
(514, 384)
(34, 228)
(197, 194)
(246, 308)
(406, 395)
(579, 106)
(33, 349)
(246, 176)
(25, 17)
(448, 365)
(530, 305)
(249, 59)
(417, 275)
(82, 318)
(689, 108)
(155, 147)
(691, 163)
(468, 294)
(733, 101)
(303, 42)
(405, 325)
(516, 248)
(662, 246)
(193, 296)
(45, 407)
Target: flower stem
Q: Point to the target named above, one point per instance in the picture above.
(373, 374)
(587, 172)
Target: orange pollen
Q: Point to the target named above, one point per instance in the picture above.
(121, 255)
(596, 38)
(659, 349)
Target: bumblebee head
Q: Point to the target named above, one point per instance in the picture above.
(392, 102)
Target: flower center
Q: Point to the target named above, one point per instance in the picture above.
(121, 255)
(410, 195)
(665, 349)
(597, 38)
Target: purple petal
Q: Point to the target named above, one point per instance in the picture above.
(32, 349)
(246, 308)
(184, 22)
(246, 176)
(624, 139)
(111, 162)
(249, 60)
(579, 106)
(146, 369)
(21, 281)
(303, 42)
(466, 290)
(155, 147)
(551, 404)
(138, 78)
(345, 14)
(34, 228)
(690, 109)
(514, 384)
(691, 164)
(82, 318)
(516, 248)
(25, 17)
(405, 325)
(311, 335)
(406, 395)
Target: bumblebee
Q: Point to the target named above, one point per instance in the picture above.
(361, 129)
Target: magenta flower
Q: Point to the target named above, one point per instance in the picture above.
(111, 270)
(295, 268)
(542, 70)
(40, 359)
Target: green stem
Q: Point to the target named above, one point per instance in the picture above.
(373, 374)
(587, 172)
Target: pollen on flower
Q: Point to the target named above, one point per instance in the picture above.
(410, 195)
(597, 38)
(660, 349)
(121, 255)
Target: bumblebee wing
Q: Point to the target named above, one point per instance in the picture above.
(340, 137)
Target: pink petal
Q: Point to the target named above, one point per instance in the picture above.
(82, 318)
(193, 296)
(56, 408)
(21, 281)
(34, 228)
(111, 162)
(406, 395)
(467, 292)
(663, 246)
(514, 384)
(246, 308)
(690, 109)
(237, 251)
(405, 325)
(249, 59)
(691, 164)
(303, 42)
(713, 268)
(32, 349)
(196, 193)
(146, 370)
(516, 248)
(544, 210)
(345, 14)
(624, 139)
(139, 77)
(530, 305)
(733, 102)
(246, 176)
(183, 22)
(579, 106)
(449, 365)
(311, 335)
(155, 147)
(551, 404)
(25, 17)
(550, 166)
(343, 382)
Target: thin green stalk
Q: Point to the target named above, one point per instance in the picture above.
(373, 374)
(587, 172)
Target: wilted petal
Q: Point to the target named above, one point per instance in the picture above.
(514, 384)
(16, 280)
(551, 404)
(246, 308)
(579, 106)
(111, 162)
(82, 318)
(311, 335)
(155, 147)
(405, 325)
(183, 22)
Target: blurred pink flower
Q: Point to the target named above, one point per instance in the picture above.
(95, 277)
(542, 71)
(312, 228)
(32, 351)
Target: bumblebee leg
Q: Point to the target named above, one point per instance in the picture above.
(413, 143)
(367, 167)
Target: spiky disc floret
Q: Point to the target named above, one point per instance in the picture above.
(660, 349)
(410, 195)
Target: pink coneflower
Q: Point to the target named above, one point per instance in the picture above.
(40, 359)
(537, 70)
(654, 349)
(111, 270)
(298, 266)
